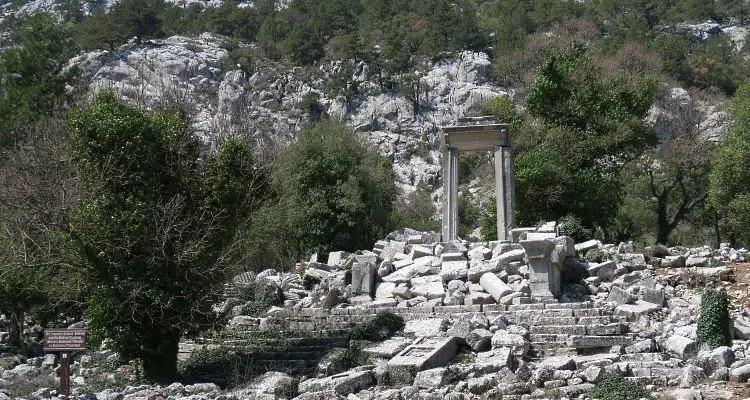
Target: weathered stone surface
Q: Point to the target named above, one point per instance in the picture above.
(592, 342)
(605, 271)
(475, 298)
(712, 360)
(385, 290)
(634, 311)
(431, 290)
(696, 262)
(451, 270)
(424, 327)
(558, 363)
(593, 373)
(480, 253)
(491, 361)
(655, 296)
(741, 329)
(423, 354)
(431, 379)
(679, 345)
(479, 339)
(691, 376)
(518, 345)
(418, 251)
(389, 347)
(740, 374)
(588, 245)
(544, 277)
(633, 261)
(511, 256)
(619, 296)
(494, 286)
(352, 382)
(674, 262)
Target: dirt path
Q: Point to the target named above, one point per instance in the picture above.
(740, 289)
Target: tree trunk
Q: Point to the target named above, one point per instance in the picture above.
(16, 328)
(664, 226)
(160, 361)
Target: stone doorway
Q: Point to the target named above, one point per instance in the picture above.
(471, 135)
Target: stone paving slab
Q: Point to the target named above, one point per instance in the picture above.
(423, 353)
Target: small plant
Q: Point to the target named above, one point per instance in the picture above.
(714, 325)
(260, 296)
(572, 226)
(596, 255)
(223, 366)
(615, 387)
(445, 324)
(383, 326)
(193, 47)
(340, 360)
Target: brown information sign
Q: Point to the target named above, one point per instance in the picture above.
(64, 340)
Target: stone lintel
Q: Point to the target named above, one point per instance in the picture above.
(476, 137)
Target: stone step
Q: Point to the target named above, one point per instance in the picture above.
(548, 337)
(290, 355)
(596, 341)
(644, 357)
(558, 329)
(590, 312)
(600, 320)
(605, 329)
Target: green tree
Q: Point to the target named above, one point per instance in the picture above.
(333, 192)
(152, 226)
(730, 176)
(588, 122)
(32, 82)
(139, 18)
(416, 211)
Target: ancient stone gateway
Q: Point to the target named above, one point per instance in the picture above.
(478, 134)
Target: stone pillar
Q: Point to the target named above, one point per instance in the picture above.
(545, 278)
(450, 194)
(505, 192)
(363, 278)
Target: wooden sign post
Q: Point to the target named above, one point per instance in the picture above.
(65, 342)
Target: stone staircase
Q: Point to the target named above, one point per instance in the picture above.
(295, 340)
(292, 351)
(567, 328)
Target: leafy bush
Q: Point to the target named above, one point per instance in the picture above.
(383, 326)
(572, 226)
(223, 366)
(334, 193)
(488, 223)
(615, 387)
(416, 212)
(260, 296)
(339, 360)
(714, 325)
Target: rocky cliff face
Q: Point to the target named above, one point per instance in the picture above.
(264, 104)
(194, 72)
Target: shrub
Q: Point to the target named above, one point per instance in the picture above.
(615, 387)
(572, 226)
(383, 326)
(714, 327)
(223, 366)
(416, 212)
(260, 296)
(334, 193)
(488, 223)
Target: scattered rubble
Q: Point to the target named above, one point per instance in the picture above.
(491, 319)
